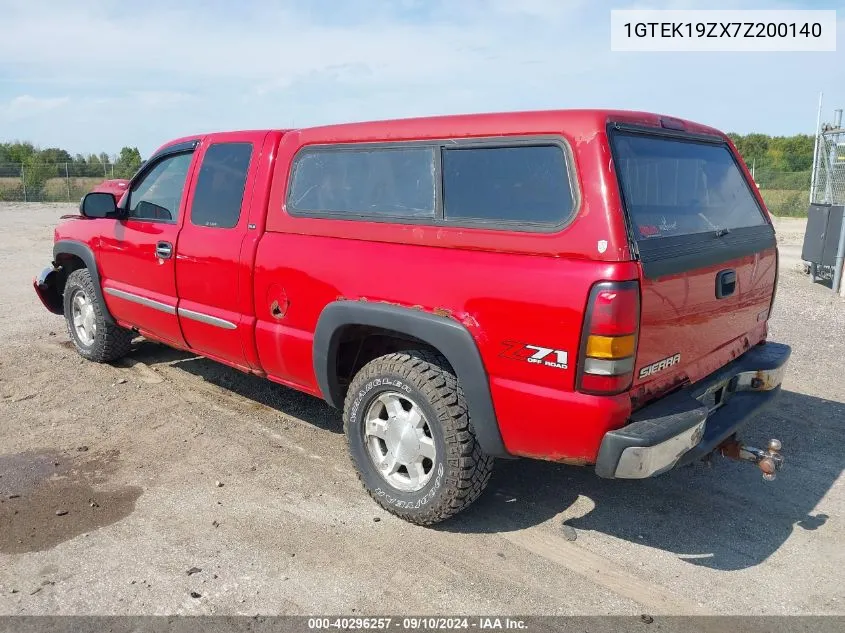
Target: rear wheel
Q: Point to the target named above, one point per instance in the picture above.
(410, 437)
(92, 336)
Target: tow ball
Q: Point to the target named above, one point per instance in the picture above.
(769, 460)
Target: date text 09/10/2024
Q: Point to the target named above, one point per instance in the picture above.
(420, 623)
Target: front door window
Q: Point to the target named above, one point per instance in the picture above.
(158, 195)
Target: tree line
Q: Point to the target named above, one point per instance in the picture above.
(32, 167)
(53, 160)
(776, 153)
(781, 163)
(768, 153)
(782, 167)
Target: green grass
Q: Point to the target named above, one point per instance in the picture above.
(55, 189)
(787, 202)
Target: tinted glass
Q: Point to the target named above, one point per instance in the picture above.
(524, 185)
(220, 185)
(380, 181)
(158, 195)
(676, 187)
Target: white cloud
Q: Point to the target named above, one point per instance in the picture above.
(279, 46)
(26, 106)
(160, 98)
(140, 74)
(544, 9)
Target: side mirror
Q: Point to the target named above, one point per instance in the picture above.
(98, 204)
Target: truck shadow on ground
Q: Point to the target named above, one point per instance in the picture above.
(261, 391)
(722, 517)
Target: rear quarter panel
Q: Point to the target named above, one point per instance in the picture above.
(507, 301)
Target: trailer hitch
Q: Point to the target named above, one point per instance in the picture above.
(769, 460)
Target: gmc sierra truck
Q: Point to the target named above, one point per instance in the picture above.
(588, 287)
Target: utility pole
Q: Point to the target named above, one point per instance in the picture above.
(816, 150)
(838, 286)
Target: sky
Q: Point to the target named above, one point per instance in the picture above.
(95, 75)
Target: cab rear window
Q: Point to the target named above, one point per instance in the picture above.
(675, 186)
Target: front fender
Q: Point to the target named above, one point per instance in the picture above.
(84, 252)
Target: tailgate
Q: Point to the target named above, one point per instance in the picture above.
(707, 252)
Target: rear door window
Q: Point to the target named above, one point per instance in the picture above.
(220, 185)
(675, 187)
(507, 185)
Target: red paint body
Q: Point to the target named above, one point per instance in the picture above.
(502, 285)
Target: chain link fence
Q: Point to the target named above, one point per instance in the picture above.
(829, 181)
(785, 193)
(51, 182)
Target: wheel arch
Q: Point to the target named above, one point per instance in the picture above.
(447, 336)
(63, 249)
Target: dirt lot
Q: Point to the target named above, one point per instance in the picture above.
(133, 454)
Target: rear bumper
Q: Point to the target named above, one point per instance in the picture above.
(691, 423)
(46, 287)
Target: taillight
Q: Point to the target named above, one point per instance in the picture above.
(609, 339)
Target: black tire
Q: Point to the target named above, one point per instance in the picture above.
(110, 342)
(460, 470)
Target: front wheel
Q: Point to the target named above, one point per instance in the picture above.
(93, 337)
(411, 439)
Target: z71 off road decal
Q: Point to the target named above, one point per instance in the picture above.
(537, 355)
(660, 365)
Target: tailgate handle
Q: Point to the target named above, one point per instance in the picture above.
(725, 283)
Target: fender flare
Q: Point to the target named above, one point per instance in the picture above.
(446, 335)
(84, 252)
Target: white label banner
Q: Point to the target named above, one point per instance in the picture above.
(722, 30)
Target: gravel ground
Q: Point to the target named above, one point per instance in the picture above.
(171, 484)
(790, 236)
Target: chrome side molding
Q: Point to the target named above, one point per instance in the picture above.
(144, 301)
(207, 319)
(163, 307)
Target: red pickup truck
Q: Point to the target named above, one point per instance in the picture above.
(589, 287)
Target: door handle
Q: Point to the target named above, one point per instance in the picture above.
(725, 283)
(164, 250)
